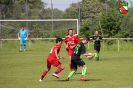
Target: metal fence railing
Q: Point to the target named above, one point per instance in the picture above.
(118, 42)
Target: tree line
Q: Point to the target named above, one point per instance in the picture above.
(94, 15)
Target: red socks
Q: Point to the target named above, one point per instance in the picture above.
(70, 66)
(59, 70)
(44, 73)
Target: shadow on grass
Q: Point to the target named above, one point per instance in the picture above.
(94, 79)
(77, 80)
(79, 73)
(58, 80)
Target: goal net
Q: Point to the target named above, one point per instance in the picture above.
(45, 28)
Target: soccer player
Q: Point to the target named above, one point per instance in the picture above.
(97, 39)
(22, 36)
(76, 35)
(77, 61)
(53, 59)
(70, 42)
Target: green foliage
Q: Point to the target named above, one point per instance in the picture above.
(94, 15)
(110, 25)
(91, 10)
(85, 31)
(72, 12)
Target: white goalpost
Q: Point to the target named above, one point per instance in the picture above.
(75, 21)
(46, 20)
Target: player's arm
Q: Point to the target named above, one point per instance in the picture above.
(26, 35)
(61, 57)
(84, 52)
(93, 40)
(72, 46)
(100, 39)
(18, 35)
(65, 43)
(78, 39)
(56, 54)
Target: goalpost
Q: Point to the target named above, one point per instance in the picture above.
(10, 25)
(51, 20)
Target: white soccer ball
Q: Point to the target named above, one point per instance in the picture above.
(90, 57)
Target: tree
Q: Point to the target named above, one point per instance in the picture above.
(91, 10)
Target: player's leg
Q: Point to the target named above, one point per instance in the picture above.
(69, 56)
(21, 44)
(96, 52)
(69, 63)
(80, 62)
(59, 66)
(74, 69)
(45, 71)
(24, 42)
(83, 73)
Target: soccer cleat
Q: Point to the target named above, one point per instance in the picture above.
(83, 78)
(20, 50)
(96, 59)
(55, 75)
(40, 80)
(67, 79)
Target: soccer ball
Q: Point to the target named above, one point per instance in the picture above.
(90, 57)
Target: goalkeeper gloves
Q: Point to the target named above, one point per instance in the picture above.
(19, 38)
(25, 38)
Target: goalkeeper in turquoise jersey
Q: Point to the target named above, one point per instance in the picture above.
(97, 39)
(22, 36)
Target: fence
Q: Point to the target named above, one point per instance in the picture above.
(118, 43)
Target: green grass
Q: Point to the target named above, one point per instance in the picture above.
(23, 69)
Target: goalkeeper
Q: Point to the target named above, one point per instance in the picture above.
(22, 36)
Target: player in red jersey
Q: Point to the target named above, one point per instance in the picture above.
(53, 59)
(76, 35)
(70, 42)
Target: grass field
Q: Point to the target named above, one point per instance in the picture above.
(23, 69)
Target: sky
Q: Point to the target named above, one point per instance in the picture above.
(60, 4)
(63, 4)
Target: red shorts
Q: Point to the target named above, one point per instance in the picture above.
(54, 62)
(69, 51)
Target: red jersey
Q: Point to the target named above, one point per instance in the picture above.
(52, 55)
(71, 40)
(77, 37)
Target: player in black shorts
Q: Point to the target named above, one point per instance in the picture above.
(77, 61)
(97, 39)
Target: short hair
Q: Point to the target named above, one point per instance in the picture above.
(70, 29)
(58, 39)
(86, 38)
(22, 26)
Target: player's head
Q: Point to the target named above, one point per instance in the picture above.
(96, 32)
(22, 27)
(70, 31)
(59, 40)
(86, 39)
(73, 31)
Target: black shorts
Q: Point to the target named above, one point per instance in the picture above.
(97, 47)
(75, 62)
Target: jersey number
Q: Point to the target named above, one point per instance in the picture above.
(76, 48)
